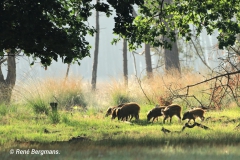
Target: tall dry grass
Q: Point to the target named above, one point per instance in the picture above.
(67, 93)
(171, 88)
(77, 92)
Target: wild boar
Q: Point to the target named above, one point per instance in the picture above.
(170, 111)
(155, 113)
(129, 109)
(193, 114)
(115, 112)
(110, 109)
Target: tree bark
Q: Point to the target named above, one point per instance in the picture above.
(171, 57)
(7, 85)
(68, 68)
(148, 60)
(95, 60)
(125, 66)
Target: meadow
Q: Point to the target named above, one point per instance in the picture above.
(80, 130)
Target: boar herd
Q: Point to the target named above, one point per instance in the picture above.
(126, 111)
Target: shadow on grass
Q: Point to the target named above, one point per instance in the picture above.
(87, 150)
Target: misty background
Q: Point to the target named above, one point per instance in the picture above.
(110, 59)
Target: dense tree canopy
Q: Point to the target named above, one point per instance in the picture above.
(44, 29)
(186, 15)
(52, 28)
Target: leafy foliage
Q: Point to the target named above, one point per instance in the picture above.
(183, 18)
(52, 28)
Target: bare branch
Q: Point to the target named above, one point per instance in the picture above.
(138, 79)
(3, 60)
(226, 74)
(203, 61)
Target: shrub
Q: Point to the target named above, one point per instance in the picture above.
(71, 98)
(39, 106)
(119, 98)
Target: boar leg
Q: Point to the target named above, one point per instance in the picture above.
(136, 116)
(170, 119)
(126, 118)
(165, 119)
(129, 116)
(153, 120)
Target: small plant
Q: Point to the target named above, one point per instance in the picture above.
(72, 98)
(54, 117)
(119, 98)
(40, 107)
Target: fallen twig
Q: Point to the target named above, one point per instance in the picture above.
(195, 124)
(238, 126)
(164, 130)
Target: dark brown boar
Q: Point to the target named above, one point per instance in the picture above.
(114, 112)
(193, 114)
(129, 109)
(110, 109)
(170, 111)
(155, 113)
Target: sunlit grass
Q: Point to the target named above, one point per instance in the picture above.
(97, 128)
(81, 112)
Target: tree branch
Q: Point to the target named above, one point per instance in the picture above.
(222, 75)
(138, 79)
(203, 61)
(3, 60)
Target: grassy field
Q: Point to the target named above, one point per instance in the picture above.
(80, 130)
(90, 135)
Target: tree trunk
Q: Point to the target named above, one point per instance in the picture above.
(95, 59)
(171, 57)
(148, 61)
(68, 68)
(7, 85)
(125, 66)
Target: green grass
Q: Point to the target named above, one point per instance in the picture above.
(22, 128)
(81, 113)
(86, 151)
(97, 127)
